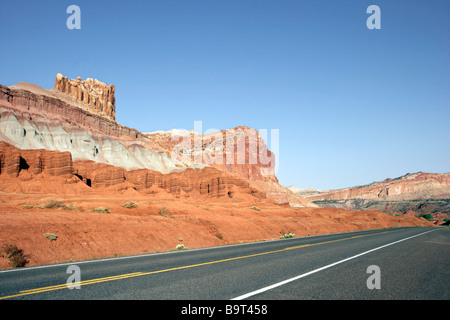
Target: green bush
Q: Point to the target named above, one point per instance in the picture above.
(255, 208)
(181, 247)
(287, 236)
(51, 236)
(427, 216)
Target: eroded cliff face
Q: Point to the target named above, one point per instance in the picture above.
(35, 118)
(78, 116)
(19, 167)
(13, 161)
(95, 96)
(39, 120)
(240, 151)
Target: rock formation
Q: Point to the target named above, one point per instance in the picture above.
(13, 161)
(26, 165)
(95, 95)
(240, 151)
(78, 117)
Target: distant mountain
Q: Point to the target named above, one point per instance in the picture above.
(418, 192)
(305, 191)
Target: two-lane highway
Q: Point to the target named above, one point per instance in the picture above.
(413, 263)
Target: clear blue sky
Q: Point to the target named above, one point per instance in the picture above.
(352, 105)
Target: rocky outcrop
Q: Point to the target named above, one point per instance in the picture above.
(189, 182)
(35, 118)
(96, 96)
(35, 105)
(98, 175)
(13, 161)
(209, 182)
(9, 159)
(240, 151)
(61, 119)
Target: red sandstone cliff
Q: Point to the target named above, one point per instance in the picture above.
(13, 161)
(240, 151)
(94, 95)
(19, 167)
(78, 117)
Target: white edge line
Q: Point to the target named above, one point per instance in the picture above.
(247, 295)
(169, 252)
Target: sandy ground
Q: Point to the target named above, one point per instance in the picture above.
(89, 235)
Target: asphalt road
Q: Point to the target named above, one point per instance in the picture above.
(413, 263)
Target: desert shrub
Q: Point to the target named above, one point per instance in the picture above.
(71, 207)
(130, 205)
(100, 210)
(181, 247)
(15, 256)
(164, 212)
(287, 235)
(51, 236)
(219, 235)
(31, 206)
(56, 204)
(51, 204)
(255, 208)
(427, 216)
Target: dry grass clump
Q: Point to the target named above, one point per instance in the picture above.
(57, 204)
(100, 210)
(31, 206)
(15, 256)
(164, 212)
(53, 204)
(130, 205)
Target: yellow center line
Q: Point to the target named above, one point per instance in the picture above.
(74, 284)
(138, 274)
